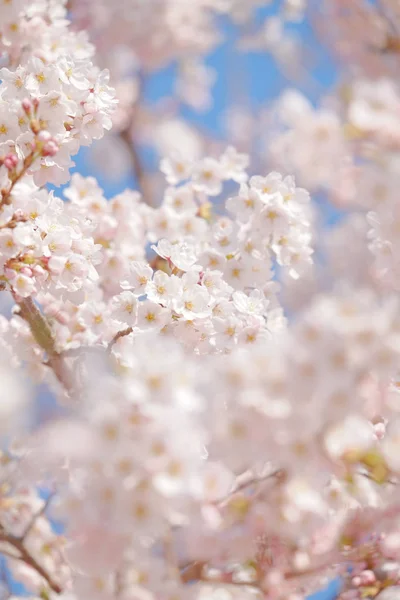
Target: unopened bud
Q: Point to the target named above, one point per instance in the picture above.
(50, 148)
(11, 161)
(27, 105)
(367, 577)
(35, 126)
(8, 163)
(44, 136)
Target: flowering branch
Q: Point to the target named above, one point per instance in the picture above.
(28, 559)
(44, 337)
(36, 516)
(119, 335)
(16, 177)
(277, 474)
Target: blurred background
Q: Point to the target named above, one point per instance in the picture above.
(199, 102)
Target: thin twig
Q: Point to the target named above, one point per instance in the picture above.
(192, 571)
(28, 161)
(138, 169)
(277, 474)
(44, 337)
(36, 516)
(117, 336)
(127, 136)
(29, 560)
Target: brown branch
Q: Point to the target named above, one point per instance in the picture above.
(195, 572)
(117, 336)
(138, 169)
(127, 136)
(36, 516)
(29, 560)
(44, 337)
(192, 571)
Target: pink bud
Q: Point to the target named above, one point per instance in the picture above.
(44, 135)
(50, 148)
(356, 581)
(8, 164)
(26, 271)
(367, 577)
(27, 105)
(11, 161)
(14, 158)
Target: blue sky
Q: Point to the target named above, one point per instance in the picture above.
(257, 75)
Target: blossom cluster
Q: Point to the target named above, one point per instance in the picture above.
(50, 87)
(210, 280)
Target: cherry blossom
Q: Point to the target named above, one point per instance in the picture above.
(222, 369)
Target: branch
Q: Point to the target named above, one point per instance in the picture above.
(44, 337)
(28, 161)
(278, 475)
(29, 560)
(192, 571)
(36, 516)
(138, 169)
(117, 336)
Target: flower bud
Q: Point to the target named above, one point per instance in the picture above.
(35, 126)
(44, 136)
(27, 105)
(8, 164)
(11, 161)
(50, 148)
(367, 577)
